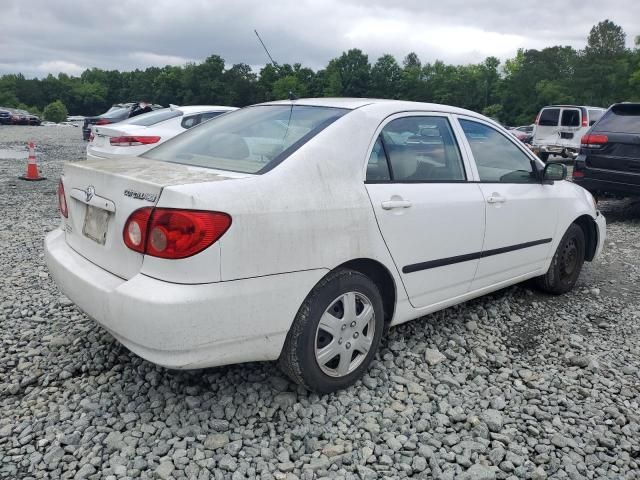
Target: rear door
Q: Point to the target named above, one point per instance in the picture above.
(570, 124)
(430, 216)
(521, 213)
(546, 131)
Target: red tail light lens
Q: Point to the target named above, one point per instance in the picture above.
(103, 121)
(135, 229)
(585, 122)
(132, 141)
(62, 200)
(173, 233)
(577, 173)
(593, 141)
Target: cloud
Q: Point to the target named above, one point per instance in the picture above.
(39, 36)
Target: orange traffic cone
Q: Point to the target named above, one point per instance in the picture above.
(32, 167)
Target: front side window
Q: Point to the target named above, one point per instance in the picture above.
(498, 159)
(417, 149)
(570, 118)
(549, 117)
(249, 140)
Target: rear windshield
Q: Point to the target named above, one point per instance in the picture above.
(151, 118)
(250, 140)
(623, 118)
(549, 117)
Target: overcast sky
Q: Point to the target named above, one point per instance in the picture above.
(38, 37)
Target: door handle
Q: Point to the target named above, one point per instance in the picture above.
(496, 198)
(391, 204)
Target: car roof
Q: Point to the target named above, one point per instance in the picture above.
(573, 106)
(188, 109)
(385, 104)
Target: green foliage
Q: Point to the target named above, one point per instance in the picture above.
(55, 112)
(605, 71)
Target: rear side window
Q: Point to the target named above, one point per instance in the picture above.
(594, 116)
(190, 121)
(249, 140)
(624, 118)
(549, 117)
(151, 118)
(570, 118)
(418, 149)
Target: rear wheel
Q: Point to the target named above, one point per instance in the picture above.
(566, 263)
(335, 334)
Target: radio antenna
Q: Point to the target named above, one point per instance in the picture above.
(265, 49)
(292, 95)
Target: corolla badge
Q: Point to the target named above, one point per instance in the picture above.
(89, 192)
(149, 197)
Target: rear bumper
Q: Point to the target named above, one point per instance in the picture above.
(558, 149)
(183, 326)
(600, 186)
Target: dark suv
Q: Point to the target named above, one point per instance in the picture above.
(609, 159)
(5, 117)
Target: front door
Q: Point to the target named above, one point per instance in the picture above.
(521, 212)
(430, 216)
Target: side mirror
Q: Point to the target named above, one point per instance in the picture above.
(553, 172)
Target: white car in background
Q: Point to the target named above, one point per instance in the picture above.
(299, 230)
(136, 135)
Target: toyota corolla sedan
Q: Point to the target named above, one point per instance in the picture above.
(299, 231)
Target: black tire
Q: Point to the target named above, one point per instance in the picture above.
(566, 263)
(543, 156)
(298, 358)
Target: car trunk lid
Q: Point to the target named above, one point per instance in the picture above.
(101, 195)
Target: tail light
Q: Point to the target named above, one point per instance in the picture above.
(103, 121)
(173, 233)
(132, 141)
(593, 141)
(577, 173)
(585, 121)
(62, 200)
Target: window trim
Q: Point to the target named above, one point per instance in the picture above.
(539, 166)
(465, 163)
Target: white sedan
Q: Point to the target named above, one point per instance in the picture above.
(300, 230)
(138, 134)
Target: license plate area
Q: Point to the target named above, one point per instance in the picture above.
(566, 135)
(96, 221)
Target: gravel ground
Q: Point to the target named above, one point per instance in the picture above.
(513, 385)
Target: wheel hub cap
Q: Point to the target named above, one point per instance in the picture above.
(345, 334)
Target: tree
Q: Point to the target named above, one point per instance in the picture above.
(55, 112)
(606, 39)
(349, 73)
(385, 78)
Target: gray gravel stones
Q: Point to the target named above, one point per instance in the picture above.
(515, 385)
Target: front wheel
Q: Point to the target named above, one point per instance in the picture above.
(566, 263)
(335, 334)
